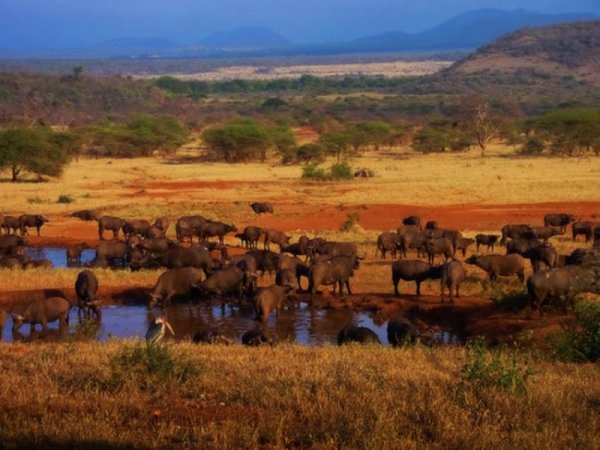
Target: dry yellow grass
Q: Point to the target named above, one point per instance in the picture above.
(402, 178)
(83, 395)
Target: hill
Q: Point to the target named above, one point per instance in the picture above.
(558, 51)
(465, 31)
(245, 38)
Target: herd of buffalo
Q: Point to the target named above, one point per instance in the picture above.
(196, 266)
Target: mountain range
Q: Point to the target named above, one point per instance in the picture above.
(464, 32)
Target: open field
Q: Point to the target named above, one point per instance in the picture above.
(386, 69)
(106, 395)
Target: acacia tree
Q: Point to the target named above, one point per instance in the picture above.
(238, 140)
(479, 122)
(36, 150)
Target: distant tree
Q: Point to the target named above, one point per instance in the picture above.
(311, 152)
(440, 135)
(163, 133)
(336, 144)
(238, 140)
(77, 72)
(568, 132)
(273, 103)
(35, 150)
(479, 122)
(371, 133)
(284, 140)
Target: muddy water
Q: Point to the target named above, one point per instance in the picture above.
(58, 256)
(302, 324)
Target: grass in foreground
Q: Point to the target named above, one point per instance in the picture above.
(117, 394)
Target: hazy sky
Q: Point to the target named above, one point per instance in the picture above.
(45, 24)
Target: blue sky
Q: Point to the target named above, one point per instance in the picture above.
(47, 24)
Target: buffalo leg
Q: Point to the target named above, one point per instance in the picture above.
(348, 287)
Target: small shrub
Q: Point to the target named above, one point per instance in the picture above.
(579, 341)
(532, 147)
(312, 152)
(341, 171)
(65, 198)
(152, 366)
(312, 171)
(494, 369)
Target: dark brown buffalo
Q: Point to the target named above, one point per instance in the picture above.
(295, 266)
(412, 220)
(463, 244)
(230, 281)
(302, 247)
(269, 299)
(360, 335)
(400, 331)
(154, 232)
(187, 227)
(174, 282)
(11, 223)
(211, 336)
(250, 236)
(521, 246)
(87, 215)
(412, 270)
(138, 227)
(453, 274)
(521, 231)
(266, 260)
(560, 282)
(110, 223)
(255, 338)
(559, 220)
(346, 249)
(86, 289)
(584, 228)
(262, 207)
(597, 236)
(36, 221)
(156, 245)
(215, 229)
(10, 262)
(489, 240)
(500, 265)
(431, 225)
(412, 239)
(388, 242)
(544, 233)
(74, 252)
(111, 253)
(276, 237)
(285, 277)
(442, 246)
(337, 272)
(545, 254)
(576, 257)
(179, 258)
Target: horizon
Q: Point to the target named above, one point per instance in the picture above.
(40, 25)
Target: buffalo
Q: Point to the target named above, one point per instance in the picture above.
(228, 281)
(453, 274)
(188, 226)
(489, 240)
(335, 271)
(559, 282)
(500, 265)
(86, 289)
(174, 282)
(215, 229)
(584, 228)
(442, 246)
(87, 215)
(266, 260)
(521, 231)
(361, 335)
(250, 236)
(31, 221)
(544, 233)
(110, 223)
(401, 331)
(262, 207)
(388, 242)
(276, 237)
(74, 252)
(109, 252)
(463, 244)
(255, 338)
(412, 220)
(11, 223)
(269, 299)
(211, 336)
(558, 220)
(412, 270)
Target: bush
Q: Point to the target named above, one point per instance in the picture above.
(65, 198)
(310, 153)
(312, 171)
(494, 369)
(152, 366)
(339, 171)
(580, 341)
(532, 147)
(238, 140)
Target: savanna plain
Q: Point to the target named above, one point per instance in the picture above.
(122, 393)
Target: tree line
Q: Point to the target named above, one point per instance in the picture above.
(45, 151)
